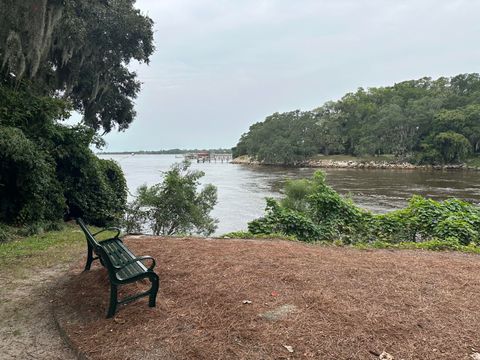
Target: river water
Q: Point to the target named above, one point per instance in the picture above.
(242, 189)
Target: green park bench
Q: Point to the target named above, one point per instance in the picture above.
(122, 265)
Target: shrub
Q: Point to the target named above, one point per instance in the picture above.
(94, 188)
(29, 190)
(45, 166)
(174, 206)
(456, 228)
(99, 193)
(311, 211)
(285, 221)
(393, 227)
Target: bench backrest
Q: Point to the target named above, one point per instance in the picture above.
(90, 238)
(97, 248)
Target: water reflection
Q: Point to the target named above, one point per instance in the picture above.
(242, 189)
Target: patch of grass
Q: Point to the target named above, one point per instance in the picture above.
(433, 245)
(43, 250)
(249, 235)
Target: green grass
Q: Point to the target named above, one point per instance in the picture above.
(21, 255)
(248, 235)
(434, 245)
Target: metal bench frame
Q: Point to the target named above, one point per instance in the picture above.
(107, 252)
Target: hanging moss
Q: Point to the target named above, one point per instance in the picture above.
(79, 49)
(26, 34)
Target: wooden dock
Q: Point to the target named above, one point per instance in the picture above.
(208, 157)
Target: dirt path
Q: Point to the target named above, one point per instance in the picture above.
(27, 328)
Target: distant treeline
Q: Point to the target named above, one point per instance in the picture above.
(167, 152)
(423, 121)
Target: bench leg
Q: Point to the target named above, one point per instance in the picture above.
(89, 257)
(153, 290)
(113, 301)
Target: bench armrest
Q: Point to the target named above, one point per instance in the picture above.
(140, 258)
(109, 229)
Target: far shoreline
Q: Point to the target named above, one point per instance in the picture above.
(356, 164)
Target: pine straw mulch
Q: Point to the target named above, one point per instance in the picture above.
(324, 302)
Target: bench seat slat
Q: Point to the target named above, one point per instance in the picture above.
(120, 255)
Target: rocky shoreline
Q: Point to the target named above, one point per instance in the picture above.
(357, 164)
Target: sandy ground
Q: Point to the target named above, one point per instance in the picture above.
(27, 329)
(247, 299)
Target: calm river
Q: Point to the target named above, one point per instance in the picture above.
(242, 189)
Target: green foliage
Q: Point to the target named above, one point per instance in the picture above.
(45, 166)
(80, 49)
(425, 121)
(284, 221)
(5, 234)
(286, 139)
(175, 207)
(20, 254)
(29, 190)
(313, 211)
(452, 147)
(296, 193)
(135, 218)
(96, 190)
(250, 235)
(58, 56)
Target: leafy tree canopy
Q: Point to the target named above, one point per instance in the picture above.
(78, 50)
(424, 121)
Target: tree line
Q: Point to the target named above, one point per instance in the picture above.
(423, 121)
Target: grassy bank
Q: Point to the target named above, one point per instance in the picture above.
(25, 254)
(434, 245)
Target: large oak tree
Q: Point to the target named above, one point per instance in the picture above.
(78, 50)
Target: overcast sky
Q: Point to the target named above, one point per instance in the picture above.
(222, 65)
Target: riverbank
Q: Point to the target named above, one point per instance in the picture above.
(351, 162)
